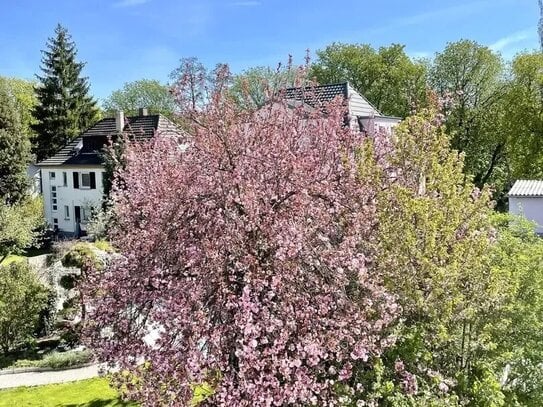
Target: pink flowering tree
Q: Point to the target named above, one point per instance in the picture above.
(243, 261)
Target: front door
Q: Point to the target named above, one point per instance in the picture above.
(77, 216)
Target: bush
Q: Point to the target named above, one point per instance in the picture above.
(78, 254)
(47, 316)
(22, 297)
(58, 360)
(104, 245)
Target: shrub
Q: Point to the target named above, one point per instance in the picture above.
(58, 360)
(22, 297)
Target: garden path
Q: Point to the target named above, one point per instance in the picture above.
(49, 377)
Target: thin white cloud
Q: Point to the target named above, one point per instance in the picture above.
(419, 54)
(247, 3)
(130, 3)
(446, 12)
(511, 39)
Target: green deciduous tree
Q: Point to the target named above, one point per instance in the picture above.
(522, 121)
(14, 151)
(469, 281)
(65, 107)
(434, 232)
(515, 348)
(19, 225)
(22, 297)
(387, 77)
(23, 92)
(143, 93)
(257, 85)
(470, 77)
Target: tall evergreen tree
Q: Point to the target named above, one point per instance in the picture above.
(14, 151)
(65, 107)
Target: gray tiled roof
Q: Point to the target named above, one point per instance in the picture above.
(527, 188)
(138, 127)
(323, 93)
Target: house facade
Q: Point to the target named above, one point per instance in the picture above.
(363, 116)
(72, 180)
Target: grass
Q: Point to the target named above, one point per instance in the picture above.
(85, 393)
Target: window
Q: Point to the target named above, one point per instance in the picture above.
(51, 175)
(85, 180)
(66, 212)
(64, 179)
(54, 198)
(55, 221)
(84, 215)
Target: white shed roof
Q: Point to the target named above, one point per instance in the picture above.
(528, 188)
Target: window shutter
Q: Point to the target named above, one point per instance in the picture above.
(92, 180)
(76, 179)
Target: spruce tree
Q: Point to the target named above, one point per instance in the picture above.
(14, 151)
(65, 108)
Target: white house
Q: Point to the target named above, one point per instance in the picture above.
(72, 179)
(526, 198)
(363, 115)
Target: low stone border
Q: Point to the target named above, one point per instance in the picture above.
(31, 369)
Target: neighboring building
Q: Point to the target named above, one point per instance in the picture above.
(34, 178)
(526, 198)
(72, 179)
(363, 115)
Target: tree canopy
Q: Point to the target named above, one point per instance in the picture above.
(143, 93)
(250, 244)
(14, 150)
(394, 83)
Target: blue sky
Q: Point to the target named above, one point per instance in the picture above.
(125, 40)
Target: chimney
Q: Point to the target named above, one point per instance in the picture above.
(143, 111)
(119, 121)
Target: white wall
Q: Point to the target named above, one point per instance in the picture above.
(33, 173)
(530, 207)
(68, 195)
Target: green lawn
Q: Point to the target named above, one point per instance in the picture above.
(85, 393)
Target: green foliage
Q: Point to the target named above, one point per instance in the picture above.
(254, 86)
(470, 78)
(434, 233)
(64, 107)
(470, 283)
(516, 328)
(47, 316)
(19, 225)
(57, 360)
(523, 117)
(146, 93)
(390, 80)
(22, 297)
(104, 245)
(23, 93)
(78, 255)
(14, 151)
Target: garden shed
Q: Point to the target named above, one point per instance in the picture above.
(526, 198)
